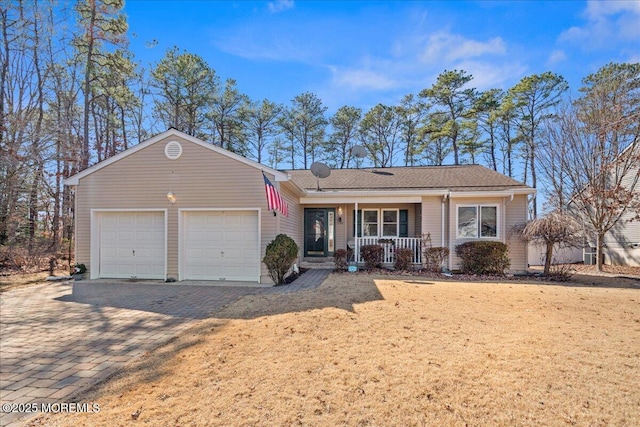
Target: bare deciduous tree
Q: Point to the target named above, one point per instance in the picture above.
(591, 156)
(556, 228)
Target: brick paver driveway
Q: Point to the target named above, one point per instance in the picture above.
(59, 338)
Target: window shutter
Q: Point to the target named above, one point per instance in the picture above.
(403, 223)
(359, 223)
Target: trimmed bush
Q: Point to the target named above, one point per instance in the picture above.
(434, 257)
(372, 256)
(340, 259)
(279, 257)
(404, 257)
(484, 257)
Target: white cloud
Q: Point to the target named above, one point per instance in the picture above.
(556, 57)
(454, 47)
(361, 79)
(413, 62)
(606, 22)
(598, 8)
(489, 75)
(280, 5)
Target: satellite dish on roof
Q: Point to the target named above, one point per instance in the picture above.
(320, 170)
(358, 151)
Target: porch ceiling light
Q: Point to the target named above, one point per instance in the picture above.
(171, 198)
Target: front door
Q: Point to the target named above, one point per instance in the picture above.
(319, 232)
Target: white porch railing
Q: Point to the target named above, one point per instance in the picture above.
(390, 245)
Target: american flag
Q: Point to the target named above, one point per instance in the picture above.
(275, 201)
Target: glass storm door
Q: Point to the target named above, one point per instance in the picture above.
(319, 232)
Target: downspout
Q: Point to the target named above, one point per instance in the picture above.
(448, 197)
(355, 233)
(503, 219)
(444, 197)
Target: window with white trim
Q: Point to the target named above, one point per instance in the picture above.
(383, 222)
(477, 221)
(370, 222)
(389, 223)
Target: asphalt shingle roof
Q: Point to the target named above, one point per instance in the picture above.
(454, 178)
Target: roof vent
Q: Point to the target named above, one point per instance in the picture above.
(379, 172)
(173, 150)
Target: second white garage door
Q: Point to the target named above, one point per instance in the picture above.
(221, 245)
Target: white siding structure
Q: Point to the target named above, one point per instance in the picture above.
(622, 243)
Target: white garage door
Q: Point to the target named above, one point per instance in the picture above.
(132, 245)
(221, 245)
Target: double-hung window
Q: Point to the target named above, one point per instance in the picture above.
(389, 223)
(477, 221)
(383, 222)
(370, 222)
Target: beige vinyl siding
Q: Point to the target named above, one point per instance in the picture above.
(432, 219)
(509, 214)
(200, 179)
(292, 225)
(516, 213)
(342, 230)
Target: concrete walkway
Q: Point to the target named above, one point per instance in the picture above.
(58, 339)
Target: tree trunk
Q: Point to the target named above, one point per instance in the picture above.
(548, 258)
(55, 223)
(33, 209)
(534, 181)
(88, 73)
(599, 252)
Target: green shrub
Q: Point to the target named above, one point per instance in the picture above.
(434, 257)
(372, 256)
(279, 257)
(484, 257)
(340, 258)
(404, 259)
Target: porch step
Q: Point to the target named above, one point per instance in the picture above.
(317, 262)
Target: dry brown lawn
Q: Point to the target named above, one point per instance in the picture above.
(17, 280)
(365, 351)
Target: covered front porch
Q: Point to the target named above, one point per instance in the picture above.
(390, 246)
(392, 223)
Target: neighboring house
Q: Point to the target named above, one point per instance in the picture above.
(561, 254)
(176, 207)
(622, 242)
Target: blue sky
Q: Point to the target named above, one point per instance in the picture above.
(362, 53)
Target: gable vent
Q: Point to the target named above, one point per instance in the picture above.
(173, 150)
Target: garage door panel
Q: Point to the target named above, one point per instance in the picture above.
(234, 254)
(194, 236)
(109, 236)
(214, 236)
(235, 220)
(132, 244)
(229, 240)
(125, 237)
(215, 219)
